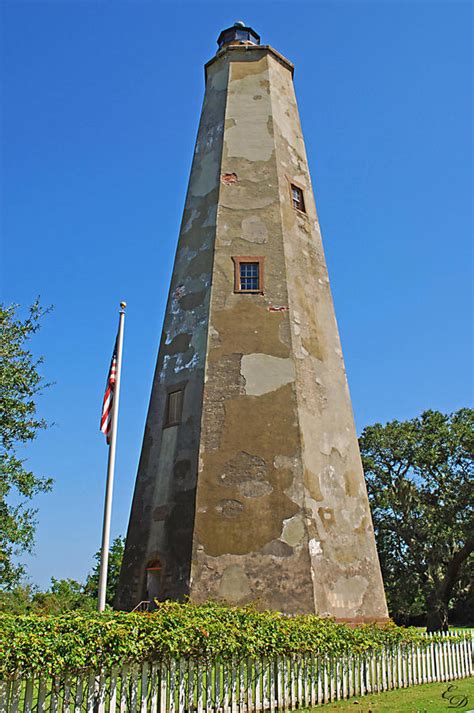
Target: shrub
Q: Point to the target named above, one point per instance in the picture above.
(80, 640)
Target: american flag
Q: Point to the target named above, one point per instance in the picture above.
(107, 406)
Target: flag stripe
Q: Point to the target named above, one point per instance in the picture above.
(108, 403)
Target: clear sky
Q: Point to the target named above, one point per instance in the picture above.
(101, 104)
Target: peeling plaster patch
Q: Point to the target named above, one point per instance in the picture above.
(243, 466)
(205, 180)
(277, 548)
(254, 230)
(229, 508)
(315, 547)
(166, 360)
(257, 489)
(234, 585)
(190, 221)
(210, 220)
(242, 200)
(192, 300)
(248, 138)
(264, 373)
(293, 531)
(348, 593)
(218, 80)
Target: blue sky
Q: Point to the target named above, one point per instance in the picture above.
(101, 101)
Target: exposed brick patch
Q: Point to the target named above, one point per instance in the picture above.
(278, 309)
(228, 178)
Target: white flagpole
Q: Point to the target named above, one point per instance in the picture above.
(104, 551)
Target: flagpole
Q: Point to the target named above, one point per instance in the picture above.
(104, 550)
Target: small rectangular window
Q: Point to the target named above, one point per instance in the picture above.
(174, 408)
(297, 198)
(248, 274)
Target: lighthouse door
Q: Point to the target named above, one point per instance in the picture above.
(153, 581)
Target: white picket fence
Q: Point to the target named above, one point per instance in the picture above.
(279, 684)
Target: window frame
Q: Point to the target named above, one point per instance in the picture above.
(254, 259)
(294, 184)
(175, 389)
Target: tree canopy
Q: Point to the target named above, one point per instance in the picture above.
(420, 482)
(20, 384)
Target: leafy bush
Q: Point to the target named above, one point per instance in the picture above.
(78, 641)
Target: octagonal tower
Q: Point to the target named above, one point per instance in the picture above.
(250, 485)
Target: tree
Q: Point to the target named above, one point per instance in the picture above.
(419, 478)
(20, 384)
(115, 562)
(64, 595)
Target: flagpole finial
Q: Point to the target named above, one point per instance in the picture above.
(123, 305)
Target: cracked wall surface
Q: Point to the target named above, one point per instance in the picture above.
(259, 494)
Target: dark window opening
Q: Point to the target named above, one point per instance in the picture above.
(249, 276)
(297, 198)
(174, 408)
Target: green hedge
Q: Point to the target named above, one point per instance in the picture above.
(79, 641)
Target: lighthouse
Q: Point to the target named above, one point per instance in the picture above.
(250, 485)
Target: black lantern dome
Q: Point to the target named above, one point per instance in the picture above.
(239, 32)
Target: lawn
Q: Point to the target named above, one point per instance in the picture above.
(430, 698)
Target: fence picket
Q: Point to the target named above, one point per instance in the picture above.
(181, 687)
(462, 662)
(324, 679)
(27, 706)
(312, 693)
(467, 658)
(258, 684)
(100, 694)
(272, 677)
(4, 696)
(15, 695)
(90, 700)
(285, 694)
(191, 685)
(279, 684)
(164, 689)
(217, 685)
(233, 689)
(458, 659)
(225, 687)
(208, 706)
(308, 678)
(77, 698)
(332, 680)
(144, 689)
(172, 687)
(153, 693)
(241, 688)
(113, 690)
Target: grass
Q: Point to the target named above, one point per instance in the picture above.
(429, 698)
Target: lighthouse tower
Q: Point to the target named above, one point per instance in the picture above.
(250, 485)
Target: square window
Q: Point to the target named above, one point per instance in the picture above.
(174, 407)
(248, 274)
(297, 198)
